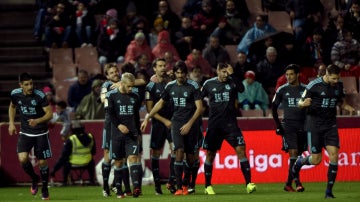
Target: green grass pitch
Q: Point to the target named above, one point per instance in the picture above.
(343, 191)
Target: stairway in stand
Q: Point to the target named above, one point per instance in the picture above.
(19, 52)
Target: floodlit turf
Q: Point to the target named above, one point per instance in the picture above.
(344, 191)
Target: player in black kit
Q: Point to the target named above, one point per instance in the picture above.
(321, 97)
(222, 125)
(184, 95)
(292, 127)
(122, 105)
(35, 112)
(160, 124)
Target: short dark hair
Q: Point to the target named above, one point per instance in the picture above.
(24, 77)
(180, 65)
(153, 64)
(128, 67)
(221, 66)
(294, 67)
(61, 104)
(333, 69)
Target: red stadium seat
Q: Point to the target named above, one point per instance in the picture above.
(61, 56)
(87, 58)
(350, 85)
(281, 21)
(63, 76)
(255, 8)
(231, 49)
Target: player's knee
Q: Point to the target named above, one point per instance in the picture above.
(132, 158)
(315, 159)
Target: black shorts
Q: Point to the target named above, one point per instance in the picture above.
(124, 145)
(41, 145)
(215, 135)
(106, 133)
(187, 142)
(295, 136)
(159, 133)
(321, 136)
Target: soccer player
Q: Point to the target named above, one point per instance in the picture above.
(35, 112)
(112, 74)
(184, 95)
(161, 124)
(222, 125)
(321, 97)
(122, 104)
(292, 128)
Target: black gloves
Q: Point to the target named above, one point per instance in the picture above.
(280, 130)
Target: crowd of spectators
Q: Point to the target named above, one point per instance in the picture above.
(127, 33)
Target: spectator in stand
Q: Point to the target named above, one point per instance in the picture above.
(352, 19)
(164, 45)
(158, 26)
(84, 25)
(197, 75)
(133, 22)
(321, 71)
(49, 92)
(269, 70)
(231, 27)
(333, 33)
(185, 38)
(214, 53)
(242, 66)
(58, 28)
(257, 52)
(110, 14)
(143, 63)
(305, 15)
(111, 47)
(254, 95)
(191, 8)
(90, 107)
(195, 59)
(169, 64)
(205, 21)
(137, 47)
(271, 5)
(40, 16)
(260, 29)
(80, 89)
(346, 55)
(170, 19)
(313, 49)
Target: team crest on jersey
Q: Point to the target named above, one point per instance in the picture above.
(336, 92)
(287, 94)
(172, 93)
(227, 87)
(33, 102)
(214, 89)
(185, 94)
(19, 102)
(132, 100)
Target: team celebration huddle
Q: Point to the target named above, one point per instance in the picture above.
(185, 78)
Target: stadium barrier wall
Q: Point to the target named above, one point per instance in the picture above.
(268, 163)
